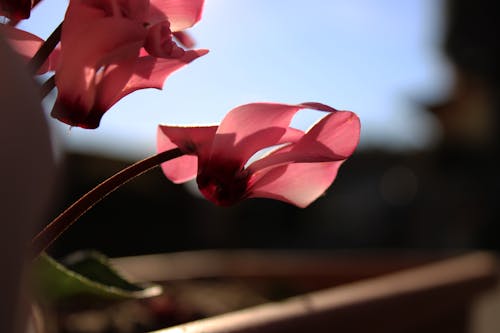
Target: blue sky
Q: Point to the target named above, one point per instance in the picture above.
(375, 58)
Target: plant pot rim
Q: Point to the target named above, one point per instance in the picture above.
(435, 290)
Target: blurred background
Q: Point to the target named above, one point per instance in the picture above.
(421, 74)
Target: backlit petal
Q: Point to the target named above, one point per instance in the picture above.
(134, 9)
(151, 72)
(336, 135)
(181, 14)
(251, 127)
(195, 142)
(83, 12)
(181, 169)
(81, 57)
(93, 48)
(109, 85)
(159, 42)
(24, 43)
(114, 79)
(79, 16)
(333, 138)
(298, 184)
(121, 79)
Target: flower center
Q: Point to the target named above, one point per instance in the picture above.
(223, 183)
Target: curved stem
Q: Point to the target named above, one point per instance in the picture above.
(62, 222)
(47, 86)
(44, 51)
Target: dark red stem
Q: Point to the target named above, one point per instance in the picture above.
(44, 51)
(47, 86)
(62, 222)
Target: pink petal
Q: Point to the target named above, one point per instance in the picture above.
(114, 79)
(333, 138)
(79, 16)
(251, 127)
(24, 43)
(298, 184)
(159, 42)
(85, 21)
(134, 9)
(82, 55)
(195, 142)
(181, 169)
(151, 72)
(181, 14)
(108, 84)
(337, 133)
(91, 47)
(81, 13)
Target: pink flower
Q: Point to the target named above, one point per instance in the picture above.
(298, 171)
(110, 48)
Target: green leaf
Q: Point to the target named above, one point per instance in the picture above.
(86, 277)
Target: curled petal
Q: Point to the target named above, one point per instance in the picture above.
(336, 135)
(114, 79)
(80, 61)
(333, 138)
(181, 169)
(151, 72)
(24, 43)
(79, 16)
(181, 14)
(299, 184)
(192, 140)
(82, 12)
(195, 142)
(159, 42)
(251, 127)
(133, 9)
(93, 48)
(102, 96)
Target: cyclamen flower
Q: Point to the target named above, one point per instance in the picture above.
(297, 172)
(110, 48)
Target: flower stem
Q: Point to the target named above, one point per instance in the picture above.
(44, 51)
(62, 222)
(47, 86)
